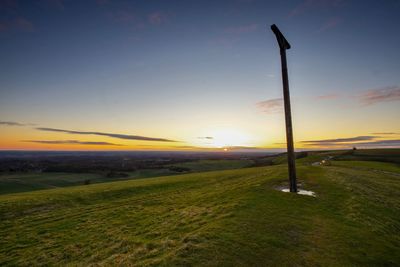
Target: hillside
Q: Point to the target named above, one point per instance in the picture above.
(38, 171)
(234, 217)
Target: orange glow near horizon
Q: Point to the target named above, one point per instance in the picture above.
(195, 138)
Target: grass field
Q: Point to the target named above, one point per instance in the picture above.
(221, 218)
(215, 165)
(23, 182)
(30, 181)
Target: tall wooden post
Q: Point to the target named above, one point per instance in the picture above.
(284, 45)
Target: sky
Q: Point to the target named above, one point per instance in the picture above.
(197, 74)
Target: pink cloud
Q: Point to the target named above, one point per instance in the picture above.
(102, 2)
(3, 27)
(157, 18)
(243, 29)
(23, 24)
(385, 94)
(314, 4)
(122, 16)
(127, 18)
(271, 106)
(331, 23)
(19, 23)
(8, 4)
(328, 97)
(57, 4)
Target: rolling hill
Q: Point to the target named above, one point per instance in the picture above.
(218, 218)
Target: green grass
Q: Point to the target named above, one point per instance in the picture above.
(215, 165)
(23, 182)
(222, 218)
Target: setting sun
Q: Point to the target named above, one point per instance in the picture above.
(223, 138)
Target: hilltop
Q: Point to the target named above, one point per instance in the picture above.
(230, 217)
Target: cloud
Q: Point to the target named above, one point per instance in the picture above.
(102, 2)
(23, 24)
(56, 4)
(242, 148)
(377, 143)
(205, 137)
(394, 142)
(385, 94)
(331, 23)
(228, 148)
(359, 141)
(386, 133)
(8, 5)
(71, 142)
(18, 23)
(120, 136)
(3, 27)
(242, 29)
(340, 140)
(307, 5)
(123, 16)
(127, 18)
(13, 123)
(327, 97)
(157, 18)
(271, 106)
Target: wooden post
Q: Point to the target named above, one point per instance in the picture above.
(284, 45)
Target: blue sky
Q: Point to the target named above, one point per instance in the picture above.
(180, 69)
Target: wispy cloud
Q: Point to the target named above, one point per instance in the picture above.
(386, 133)
(385, 94)
(71, 142)
(23, 24)
(157, 18)
(227, 148)
(242, 148)
(391, 143)
(102, 2)
(205, 137)
(123, 16)
(56, 4)
(18, 23)
(307, 5)
(367, 141)
(271, 106)
(13, 123)
(243, 29)
(138, 21)
(330, 24)
(327, 97)
(113, 135)
(340, 140)
(8, 4)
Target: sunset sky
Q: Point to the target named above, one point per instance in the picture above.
(184, 75)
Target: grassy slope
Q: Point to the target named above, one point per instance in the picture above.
(24, 182)
(217, 218)
(215, 165)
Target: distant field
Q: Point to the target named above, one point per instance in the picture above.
(23, 182)
(30, 181)
(221, 218)
(215, 165)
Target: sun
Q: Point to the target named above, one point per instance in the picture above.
(225, 138)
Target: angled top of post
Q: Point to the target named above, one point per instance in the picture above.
(283, 43)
